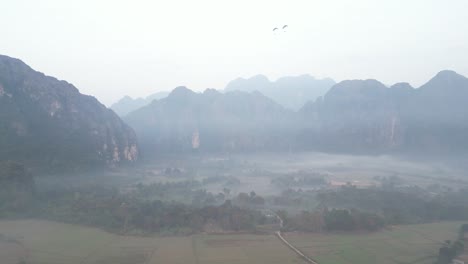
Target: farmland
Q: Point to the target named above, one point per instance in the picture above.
(416, 244)
(45, 242)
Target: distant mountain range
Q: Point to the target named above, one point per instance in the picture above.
(361, 116)
(367, 116)
(49, 124)
(45, 122)
(128, 104)
(291, 92)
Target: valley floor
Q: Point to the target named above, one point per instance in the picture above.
(45, 242)
(415, 244)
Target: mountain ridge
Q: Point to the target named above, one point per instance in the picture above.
(41, 114)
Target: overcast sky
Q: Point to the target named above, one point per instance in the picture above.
(111, 48)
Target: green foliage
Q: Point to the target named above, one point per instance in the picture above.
(14, 176)
(125, 213)
(400, 206)
(16, 188)
(334, 220)
(450, 250)
(249, 200)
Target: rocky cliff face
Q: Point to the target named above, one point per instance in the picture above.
(50, 124)
(186, 121)
(365, 115)
(356, 116)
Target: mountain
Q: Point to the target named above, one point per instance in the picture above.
(48, 124)
(187, 121)
(128, 104)
(366, 116)
(355, 115)
(437, 115)
(290, 92)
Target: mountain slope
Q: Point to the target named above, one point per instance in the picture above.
(366, 116)
(437, 114)
(212, 121)
(47, 123)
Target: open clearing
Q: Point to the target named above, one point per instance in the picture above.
(45, 242)
(415, 244)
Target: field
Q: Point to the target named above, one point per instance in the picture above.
(415, 244)
(44, 242)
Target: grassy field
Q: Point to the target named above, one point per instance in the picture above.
(415, 244)
(44, 242)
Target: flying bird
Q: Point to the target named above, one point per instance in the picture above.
(275, 29)
(285, 26)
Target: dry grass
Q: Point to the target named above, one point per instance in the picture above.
(415, 244)
(46, 242)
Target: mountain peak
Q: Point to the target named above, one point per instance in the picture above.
(402, 86)
(447, 73)
(211, 91)
(446, 79)
(181, 91)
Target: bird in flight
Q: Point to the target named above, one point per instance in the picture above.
(283, 28)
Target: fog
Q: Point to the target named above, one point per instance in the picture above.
(292, 132)
(109, 49)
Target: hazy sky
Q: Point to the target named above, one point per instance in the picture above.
(111, 48)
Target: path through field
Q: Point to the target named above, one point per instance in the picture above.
(45, 242)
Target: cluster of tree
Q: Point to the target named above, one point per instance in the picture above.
(332, 220)
(294, 198)
(13, 176)
(124, 213)
(249, 200)
(145, 209)
(400, 206)
(390, 182)
(16, 187)
(452, 249)
(187, 192)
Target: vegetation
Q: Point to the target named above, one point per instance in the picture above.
(138, 211)
(332, 220)
(402, 205)
(352, 209)
(16, 188)
(450, 250)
